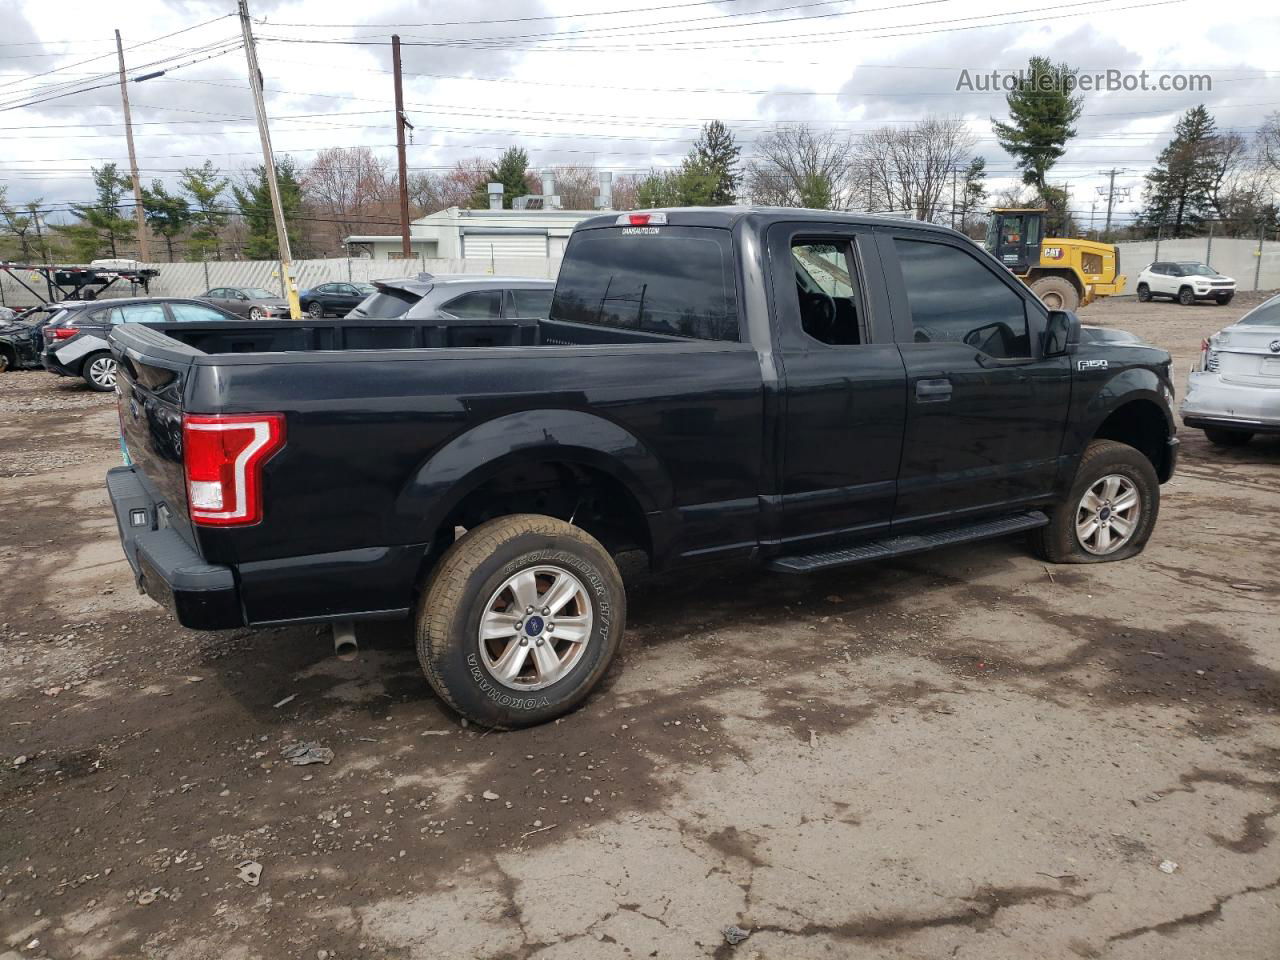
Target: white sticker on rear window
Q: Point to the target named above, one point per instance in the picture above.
(634, 231)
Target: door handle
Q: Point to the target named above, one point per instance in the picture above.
(933, 391)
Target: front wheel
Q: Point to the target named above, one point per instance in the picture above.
(1109, 513)
(315, 310)
(1186, 297)
(1144, 293)
(100, 371)
(521, 620)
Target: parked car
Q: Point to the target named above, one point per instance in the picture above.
(1185, 281)
(252, 302)
(1094, 334)
(334, 299)
(1233, 391)
(75, 342)
(466, 298)
(20, 340)
(803, 389)
(7, 314)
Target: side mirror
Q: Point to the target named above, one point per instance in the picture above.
(1061, 333)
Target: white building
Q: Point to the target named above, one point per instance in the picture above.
(478, 235)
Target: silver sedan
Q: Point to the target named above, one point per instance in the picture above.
(1233, 391)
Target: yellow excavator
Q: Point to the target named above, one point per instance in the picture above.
(1063, 273)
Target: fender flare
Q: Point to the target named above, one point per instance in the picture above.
(531, 436)
(1127, 386)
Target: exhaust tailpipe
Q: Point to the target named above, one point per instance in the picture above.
(344, 640)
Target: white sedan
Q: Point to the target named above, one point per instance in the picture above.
(1233, 391)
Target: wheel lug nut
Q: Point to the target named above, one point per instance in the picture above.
(546, 611)
(528, 609)
(550, 627)
(538, 641)
(524, 641)
(519, 626)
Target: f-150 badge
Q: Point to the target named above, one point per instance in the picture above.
(1091, 364)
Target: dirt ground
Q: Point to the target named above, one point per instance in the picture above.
(965, 754)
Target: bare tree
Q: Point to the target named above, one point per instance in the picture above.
(797, 166)
(577, 185)
(1014, 195)
(348, 187)
(909, 168)
(431, 192)
(625, 189)
(1267, 143)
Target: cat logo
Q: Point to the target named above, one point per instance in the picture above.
(1053, 253)
(1091, 365)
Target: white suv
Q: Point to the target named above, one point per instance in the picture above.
(1185, 281)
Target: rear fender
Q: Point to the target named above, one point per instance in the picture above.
(532, 436)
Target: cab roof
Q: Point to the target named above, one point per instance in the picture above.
(728, 217)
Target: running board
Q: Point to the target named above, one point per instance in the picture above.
(911, 543)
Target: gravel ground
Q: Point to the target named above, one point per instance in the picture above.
(964, 754)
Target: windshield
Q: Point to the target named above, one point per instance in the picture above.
(1190, 268)
(257, 293)
(1267, 315)
(386, 304)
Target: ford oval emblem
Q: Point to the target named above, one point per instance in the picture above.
(1274, 346)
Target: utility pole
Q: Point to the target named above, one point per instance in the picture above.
(1111, 192)
(269, 163)
(405, 249)
(144, 242)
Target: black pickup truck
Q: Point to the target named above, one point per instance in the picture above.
(803, 388)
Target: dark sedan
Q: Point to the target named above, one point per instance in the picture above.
(252, 302)
(334, 299)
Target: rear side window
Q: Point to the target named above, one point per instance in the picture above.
(954, 298)
(387, 304)
(531, 303)
(477, 305)
(667, 280)
(194, 313)
(1267, 315)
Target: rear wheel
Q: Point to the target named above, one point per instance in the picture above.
(1056, 293)
(1186, 297)
(521, 620)
(315, 310)
(1110, 511)
(100, 371)
(6, 363)
(1144, 293)
(1221, 437)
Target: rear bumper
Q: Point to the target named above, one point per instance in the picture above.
(1213, 402)
(166, 568)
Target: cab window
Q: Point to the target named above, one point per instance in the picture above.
(827, 290)
(954, 298)
(477, 305)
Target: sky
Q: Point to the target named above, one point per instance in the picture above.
(621, 87)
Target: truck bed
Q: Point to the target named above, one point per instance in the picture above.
(292, 336)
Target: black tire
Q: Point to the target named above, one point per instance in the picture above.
(1144, 293)
(314, 309)
(99, 371)
(1059, 543)
(6, 364)
(1186, 296)
(466, 581)
(1223, 437)
(1224, 299)
(255, 314)
(1056, 293)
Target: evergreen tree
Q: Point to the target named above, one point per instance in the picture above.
(973, 194)
(512, 171)
(102, 227)
(1042, 114)
(205, 186)
(716, 153)
(253, 198)
(691, 186)
(167, 214)
(1179, 188)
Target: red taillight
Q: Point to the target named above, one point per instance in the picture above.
(223, 457)
(62, 333)
(638, 219)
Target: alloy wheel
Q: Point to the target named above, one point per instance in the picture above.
(1108, 514)
(535, 627)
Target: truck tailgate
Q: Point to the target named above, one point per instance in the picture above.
(151, 376)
